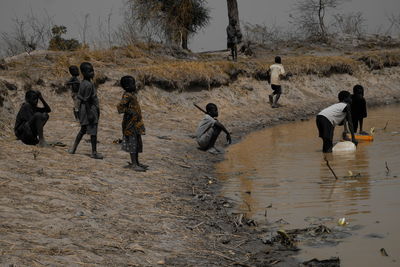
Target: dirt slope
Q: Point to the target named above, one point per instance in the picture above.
(59, 209)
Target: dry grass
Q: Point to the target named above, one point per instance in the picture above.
(153, 66)
(380, 59)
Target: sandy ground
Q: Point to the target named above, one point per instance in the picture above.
(58, 209)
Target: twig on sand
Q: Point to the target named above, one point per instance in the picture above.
(329, 166)
(228, 258)
(247, 204)
(387, 169)
(384, 128)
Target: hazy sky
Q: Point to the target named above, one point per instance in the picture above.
(71, 12)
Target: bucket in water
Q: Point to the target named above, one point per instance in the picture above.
(344, 146)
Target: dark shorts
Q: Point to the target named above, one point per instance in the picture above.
(231, 45)
(28, 134)
(132, 143)
(277, 89)
(90, 129)
(325, 127)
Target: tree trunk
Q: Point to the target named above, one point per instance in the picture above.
(233, 13)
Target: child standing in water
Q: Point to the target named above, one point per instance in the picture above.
(336, 114)
(358, 108)
(132, 123)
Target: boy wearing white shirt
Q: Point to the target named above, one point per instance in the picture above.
(276, 72)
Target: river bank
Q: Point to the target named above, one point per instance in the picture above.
(60, 209)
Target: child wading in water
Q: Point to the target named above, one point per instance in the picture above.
(358, 108)
(336, 114)
(132, 123)
(89, 110)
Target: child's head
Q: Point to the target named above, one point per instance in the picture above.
(344, 96)
(128, 83)
(32, 97)
(212, 110)
(73, 70)
(358, 90)
(278, 60)
(87, 70)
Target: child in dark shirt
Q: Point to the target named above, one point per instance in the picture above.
(358, 108)
(31, 119)
(89, 110)
(74, 83)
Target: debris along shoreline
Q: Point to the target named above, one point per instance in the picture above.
(265, 243)
(59, 209)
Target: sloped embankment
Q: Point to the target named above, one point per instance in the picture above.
(62, 209)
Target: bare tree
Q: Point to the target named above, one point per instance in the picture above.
(29, 33)
(83, 28)
(262, 34)
(105, 32)
(311, 15)
(352, 23)
(394, 20)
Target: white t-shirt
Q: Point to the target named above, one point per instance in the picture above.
(276, 70)
(335, 113)
(205, 130)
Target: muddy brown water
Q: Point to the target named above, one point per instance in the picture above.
(283, 166)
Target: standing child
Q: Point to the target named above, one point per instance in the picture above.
(74, 83)
(132, 123)
(89, 110)
(233, 38)
(276, 72)
(358, 108)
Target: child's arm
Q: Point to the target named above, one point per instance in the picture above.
(47, 108)
(122, 106)
(228, 135)
(350, 124)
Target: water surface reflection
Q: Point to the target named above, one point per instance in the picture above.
(284, 166)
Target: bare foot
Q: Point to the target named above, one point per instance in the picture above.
(43, 144)
(96, 155)
(271, 100)
(143, 166)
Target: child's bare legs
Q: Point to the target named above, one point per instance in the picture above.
(135, 165)
(93, 140)
(38, 121)
(77, 140)
(275, 104)
(95, 155)
(234, 52)
(327, 145)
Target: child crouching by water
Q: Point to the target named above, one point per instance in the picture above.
(132, 123)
